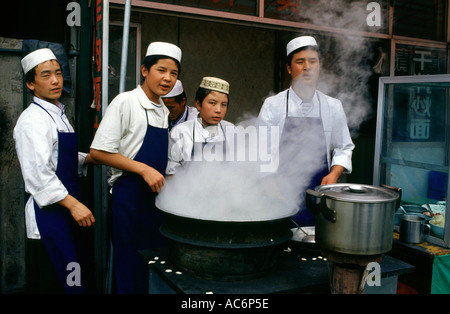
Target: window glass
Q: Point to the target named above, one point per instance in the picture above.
(416, 60)
(233, 6)
(360, 15)
(420, 19)
(115, 59)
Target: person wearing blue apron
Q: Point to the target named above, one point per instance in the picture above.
(133, 140)
(136, 220)
(315, 146)
(47, 148)
(65, 241)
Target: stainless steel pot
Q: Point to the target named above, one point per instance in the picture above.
(353, 218)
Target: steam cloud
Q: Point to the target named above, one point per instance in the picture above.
(239, 191)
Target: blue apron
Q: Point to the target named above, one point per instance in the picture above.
(64, 240)
(136, 219)
(303, 127)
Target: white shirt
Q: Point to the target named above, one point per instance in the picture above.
(181, 141)
(36, 140)
(123, 128)
(338, 140)
(189, 113)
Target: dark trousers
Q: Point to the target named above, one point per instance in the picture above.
(41, 276)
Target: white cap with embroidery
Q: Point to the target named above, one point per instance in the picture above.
(215, 84)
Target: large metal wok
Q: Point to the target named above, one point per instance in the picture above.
(224, 250)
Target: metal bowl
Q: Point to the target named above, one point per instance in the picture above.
(303, 240)
(436, 208)
(399, 214)
(410, 210)
(436, 230)
(303, 234)
(414, 209)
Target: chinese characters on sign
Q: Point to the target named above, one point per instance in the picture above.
(411, 60)
(419, 114)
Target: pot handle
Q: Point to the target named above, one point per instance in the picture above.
(313, 206)
(428, 227)
(320, 205)
(396, 189)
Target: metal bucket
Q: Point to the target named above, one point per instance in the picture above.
(412, 229)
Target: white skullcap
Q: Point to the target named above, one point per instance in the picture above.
(216, 84)
(176, 90)
(300, 42)
(165, 49)
(36, 57)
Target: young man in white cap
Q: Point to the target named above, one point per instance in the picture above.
(315, 143)
(209, 128)
(133, 140)
(47, 149)
(175, 101)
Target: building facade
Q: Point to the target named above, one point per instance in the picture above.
(241, 41)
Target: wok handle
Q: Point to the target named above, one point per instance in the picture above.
(319, 206)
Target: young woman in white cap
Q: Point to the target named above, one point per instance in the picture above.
(47, 149)
(175, 101)
(133, 140)
(188, 140)
(315, 146)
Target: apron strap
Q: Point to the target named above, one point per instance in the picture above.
(204, 143)
(320, 106)
(51, 116)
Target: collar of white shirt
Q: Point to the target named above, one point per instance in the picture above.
(299, 107)
(147, 103)
(59, 109)
(207, 132)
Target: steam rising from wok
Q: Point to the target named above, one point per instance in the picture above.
(239, 191)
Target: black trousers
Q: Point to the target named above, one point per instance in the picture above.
(41, 277)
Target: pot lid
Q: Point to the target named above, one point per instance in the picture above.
(360, 193)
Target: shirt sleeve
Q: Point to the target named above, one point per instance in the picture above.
(109, 133)
(175, 154)
(82, 168)
(271, 121)
(36, 141)
(342, 144)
